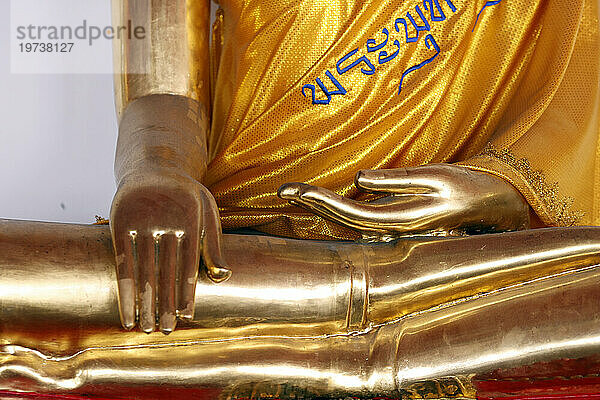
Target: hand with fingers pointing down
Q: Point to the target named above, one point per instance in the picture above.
(164, 223)
(431, 199)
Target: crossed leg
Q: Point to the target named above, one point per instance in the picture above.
(319, 318)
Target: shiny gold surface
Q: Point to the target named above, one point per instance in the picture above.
(437, 199)
(300, 317)
(521, 75)
(163, 220)
(175, 57)
(525, 112)
(303, 318)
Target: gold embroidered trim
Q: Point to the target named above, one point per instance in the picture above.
(558, 207)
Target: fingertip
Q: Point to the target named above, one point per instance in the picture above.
(218, 274)
(292, 191)
(212, 258)
(359, 179)
(126, 289)
(167, 323)
(147, 310)
(147, 325)
(128, 325)
(148, 330)
(167, 282)
(187, 283)
(187, 312)
(288, 191)
(370, 179)
(147, 284)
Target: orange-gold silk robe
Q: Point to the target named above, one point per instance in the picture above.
(315, 90)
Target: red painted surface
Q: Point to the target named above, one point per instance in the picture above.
(559, 379)
(548, 397)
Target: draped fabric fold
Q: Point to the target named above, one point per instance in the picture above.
(313, 91)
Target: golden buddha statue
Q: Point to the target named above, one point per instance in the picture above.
(428, 130)
(415, 85)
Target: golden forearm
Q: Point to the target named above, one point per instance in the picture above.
(162, 132)
(163, 102)
(173, 56)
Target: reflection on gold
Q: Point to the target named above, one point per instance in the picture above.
(173, 60)
(386, 319)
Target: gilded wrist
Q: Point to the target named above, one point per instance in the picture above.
(162, 131)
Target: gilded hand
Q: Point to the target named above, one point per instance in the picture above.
(432, 199)
(164, 217)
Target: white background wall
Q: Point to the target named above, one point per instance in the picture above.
(57, 139)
